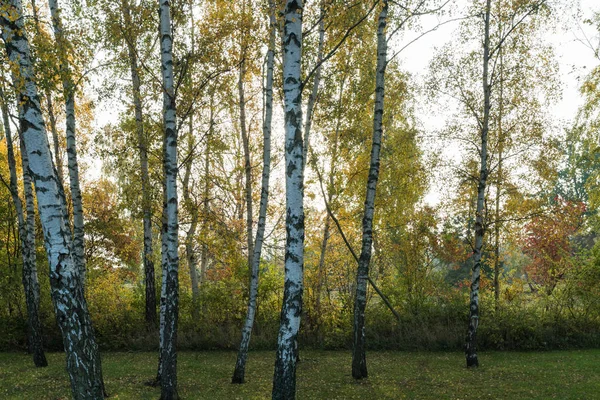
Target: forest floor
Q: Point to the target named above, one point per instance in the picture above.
(326, 375)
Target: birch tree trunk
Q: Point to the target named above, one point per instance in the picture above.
(149, 279)
(83, 360)
(284, 379)
(69, 95)
(169, 301)
(359, 362)
(27, 234)
(50, 109)
(240, 366)
(471, 341)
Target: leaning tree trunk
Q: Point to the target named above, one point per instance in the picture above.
(359, 362)
(27, 234)
(284, 379)
(240, 366)
(150, 307)
(69, 95)
(471, 342)
(83, 360)
(169, 301)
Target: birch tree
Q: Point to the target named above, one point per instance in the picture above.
(492, 53)
(26, 226)
(69, 97)
(359, 363)
(83, 360)
(169, 301)
(502, 117)
(471, 342)
(149, 279)
(284, 379)
(240, 365)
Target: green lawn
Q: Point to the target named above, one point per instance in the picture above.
(326, 375)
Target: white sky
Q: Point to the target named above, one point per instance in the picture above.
(574, 58)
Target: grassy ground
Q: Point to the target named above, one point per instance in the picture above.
(326, 375)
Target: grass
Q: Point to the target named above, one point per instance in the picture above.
(326, 375)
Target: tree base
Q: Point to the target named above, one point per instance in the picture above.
(237, 378)
(472, 361)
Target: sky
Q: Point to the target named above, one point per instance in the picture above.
(574, 58)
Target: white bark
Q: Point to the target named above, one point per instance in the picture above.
(31, 284)
(83, 361)
(359, 363)
(240, 366)
(169, 302)
(471, 342)
(284, 380)
(69, 95)
(50, 109)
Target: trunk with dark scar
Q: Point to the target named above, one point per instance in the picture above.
(359, 362)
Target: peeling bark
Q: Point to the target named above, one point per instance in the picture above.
(27, 235)
(240, 366)
(359, 362)
(284, 379)
(83, 360)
